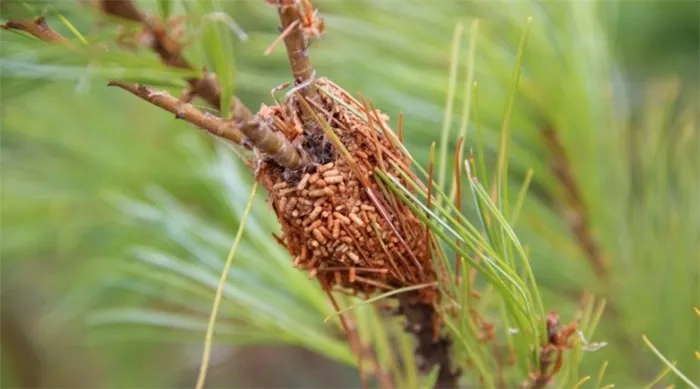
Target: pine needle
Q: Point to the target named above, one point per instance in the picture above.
(697, 353)
(354, 340)
(447, 118)
(668, 363)
(658, 378)
(280, 38)
(581, 382)
(601, 374)
(72, 28)
(379, 297)
(220, 291)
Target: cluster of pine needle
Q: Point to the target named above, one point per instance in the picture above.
(321, 153)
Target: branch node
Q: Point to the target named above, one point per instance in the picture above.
(302, 85)
(296, 42)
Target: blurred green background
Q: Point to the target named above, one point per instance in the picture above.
(89, 172)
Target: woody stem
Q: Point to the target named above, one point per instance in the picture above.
(254, 130)
(251, 131)
(420, 321)
(170, 52)
(296, 43)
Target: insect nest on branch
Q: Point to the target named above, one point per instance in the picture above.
(338, 222)
(341, 224)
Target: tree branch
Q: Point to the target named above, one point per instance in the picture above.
(41, 30)
(37, 28)
(252, 131)
(296, 43)
(124, 9)
(170, 52)
(579, 221)
(269, 142)
(420, 321)
(185, 111)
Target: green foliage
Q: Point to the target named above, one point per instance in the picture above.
(216, 43)
(670, 365)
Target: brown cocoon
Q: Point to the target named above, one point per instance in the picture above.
(339, 224)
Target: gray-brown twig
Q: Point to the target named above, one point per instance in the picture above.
(250, 132)
(215, 125)
(578, 218)
(170, 52)
(37, 28)
(255, 131)
(297, 27)
(296, 43)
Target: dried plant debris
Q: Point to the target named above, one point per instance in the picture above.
(340, 225)
(337, 222)
(559, 339)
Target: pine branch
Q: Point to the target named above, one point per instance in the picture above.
(296, 27)
(251, 132)
(579, 220)
(170, 52)
(124, 9)
(256, 131)
(296, 43)
(185, 111)
(37, 28)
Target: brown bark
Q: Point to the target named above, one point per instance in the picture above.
(170, 52)
(250, 132)
(253, 131)
(37, 28)
(296, 43)
(124, 9)
(185, 111)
